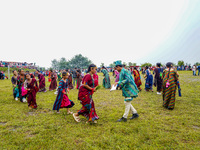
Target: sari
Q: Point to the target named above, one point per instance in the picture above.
(149, 81)
(137, 79)
(70, 85)
(41, 82)
(49, 77)
(85, 97)
(158, 79)
(31, 95)
(20, 84)
(53, 84)
(169, 93)
(116, 76)
(106, 80)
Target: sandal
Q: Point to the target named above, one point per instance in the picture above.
(77, 119)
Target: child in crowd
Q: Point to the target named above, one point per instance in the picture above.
(62, 100)
(20, 82)
(15, 87)
(32, 87)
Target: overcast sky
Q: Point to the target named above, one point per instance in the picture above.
(104, 31)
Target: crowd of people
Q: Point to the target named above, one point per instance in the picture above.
(26, 85)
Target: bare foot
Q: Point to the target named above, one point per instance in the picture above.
(69, 113)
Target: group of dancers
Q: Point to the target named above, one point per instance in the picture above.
(25, 86)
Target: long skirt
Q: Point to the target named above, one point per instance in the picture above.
(66, 102)
(106, 82)
(169, 96)
(32, 99)
(53, 85)
(42, 85)
(149, 83)
(62, 101)
(88, 110)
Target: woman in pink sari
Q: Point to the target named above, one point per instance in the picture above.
(116, 75)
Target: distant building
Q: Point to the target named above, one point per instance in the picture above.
(17, 64)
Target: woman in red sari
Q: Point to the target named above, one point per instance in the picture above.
(70, 85)
(41, 79)
(32, 87)
(137, 78)
(88, 87)
(53, 84)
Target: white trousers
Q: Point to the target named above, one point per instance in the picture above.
(128, 107)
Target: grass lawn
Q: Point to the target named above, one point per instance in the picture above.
(156, 128)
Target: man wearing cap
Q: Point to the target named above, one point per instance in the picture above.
(129, 90)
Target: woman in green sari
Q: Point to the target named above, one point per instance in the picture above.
(106, 80)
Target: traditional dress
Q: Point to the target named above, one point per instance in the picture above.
(129, 90)
(158, 79)
(85, 96)
(53, 84)
(169, 93)
(49, 77)
(59, 76)
(20, 84)
(106, 80)
(33, 86)
(41, 82)
(126, 81)
(62, 100)
(70, 85)
(79, 80)
(32, 75)
(149, 80)
(116, 76)
(15, 89)
(137, 79)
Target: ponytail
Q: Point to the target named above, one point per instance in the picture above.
(169, 65)
(91, 67)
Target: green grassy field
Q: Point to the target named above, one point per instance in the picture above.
(156, 128)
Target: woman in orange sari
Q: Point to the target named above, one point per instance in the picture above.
(137, 78)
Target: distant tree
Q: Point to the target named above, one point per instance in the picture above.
(180, 63)
(63, 64)
(79, 61)
(102, 64)
(54, 64)
(130, 64)
(112, 65)
(134, 64)
(197, 63)
(124, 63)
(146, 64)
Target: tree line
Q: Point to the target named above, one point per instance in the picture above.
(78, 61)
